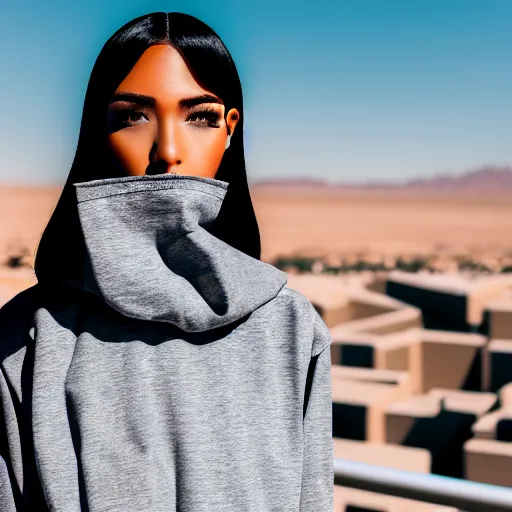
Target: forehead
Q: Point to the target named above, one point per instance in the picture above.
(161, 72)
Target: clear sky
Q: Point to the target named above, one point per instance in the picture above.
(345, 90)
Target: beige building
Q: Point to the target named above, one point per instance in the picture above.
(427, 369)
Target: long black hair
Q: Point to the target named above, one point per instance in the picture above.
(61, 250)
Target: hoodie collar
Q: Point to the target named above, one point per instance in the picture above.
(152, 255)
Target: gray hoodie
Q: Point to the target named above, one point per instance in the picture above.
(185, 375)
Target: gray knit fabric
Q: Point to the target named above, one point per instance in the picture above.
(187, 377)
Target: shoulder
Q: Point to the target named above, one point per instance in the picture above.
(16, 318)
(294, 297)
(321, 334)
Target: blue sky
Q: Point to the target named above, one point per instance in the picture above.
(344, 90)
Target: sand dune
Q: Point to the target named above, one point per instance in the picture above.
(382, 223)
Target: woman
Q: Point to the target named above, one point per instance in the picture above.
(158, 364)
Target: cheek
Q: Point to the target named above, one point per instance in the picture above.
(130, 150)
(205, 151)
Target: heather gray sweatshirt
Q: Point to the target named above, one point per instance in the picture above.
(185, 375)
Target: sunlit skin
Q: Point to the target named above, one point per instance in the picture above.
(183, 137)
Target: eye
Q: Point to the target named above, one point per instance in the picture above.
(205, 117)
(135, 116)
(121, 118)
(132, 117)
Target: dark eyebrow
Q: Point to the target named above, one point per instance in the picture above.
(150, 102)
(135, 98)
(197, 100)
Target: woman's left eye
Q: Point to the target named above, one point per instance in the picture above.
(208, 118)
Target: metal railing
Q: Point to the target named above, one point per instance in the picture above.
(453, 492)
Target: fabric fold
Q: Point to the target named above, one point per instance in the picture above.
(152, 254)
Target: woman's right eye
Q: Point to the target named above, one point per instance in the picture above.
(124, 118)
(128, 117)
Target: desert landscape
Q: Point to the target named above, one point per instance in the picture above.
(447, 217)
(378, 224)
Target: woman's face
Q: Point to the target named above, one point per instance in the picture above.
(160, 120)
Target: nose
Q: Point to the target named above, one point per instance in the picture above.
(167, 149)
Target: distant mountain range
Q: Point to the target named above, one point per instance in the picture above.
(484, 179)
